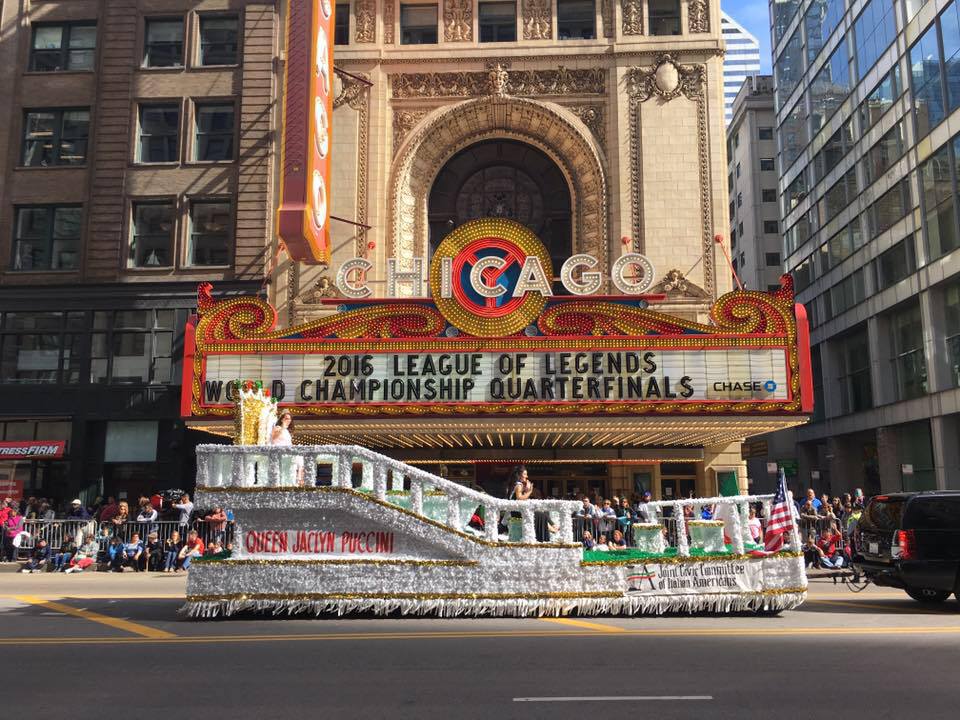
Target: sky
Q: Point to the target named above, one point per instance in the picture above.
(754, 15)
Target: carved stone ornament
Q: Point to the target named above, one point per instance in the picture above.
(537, 17)
(388, 10)
(403, 122)
(366, 21)
(632, 17)
(322, 287)
(350, 90)
(499, 78)
(699, 16)
(592, 117)
(667, 79)
(674, 283)
(589, 81)
(606, 17)
(458, 20)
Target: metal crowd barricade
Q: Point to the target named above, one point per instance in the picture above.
(54, 532)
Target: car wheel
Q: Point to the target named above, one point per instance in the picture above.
(927, 595)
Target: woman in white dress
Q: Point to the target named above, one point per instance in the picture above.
(281, 437)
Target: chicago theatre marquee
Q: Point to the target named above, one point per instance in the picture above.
(530, 268)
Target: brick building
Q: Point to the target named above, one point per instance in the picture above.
(135, 163)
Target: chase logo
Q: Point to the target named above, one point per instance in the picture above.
(770, 386)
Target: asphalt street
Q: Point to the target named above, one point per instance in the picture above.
(83, 646)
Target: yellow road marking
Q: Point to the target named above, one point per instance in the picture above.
(583, 624)
(125, 625)
(692, 632)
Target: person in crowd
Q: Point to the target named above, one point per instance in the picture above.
(61, 560)
(38, 558)
(171, 551)
(148, 515)
(121, 518)
(115, 553)
(97, 505)
(858, 499)
(77, 511)
(837, 508)
(808, 512)
(587, 511)
(706, 512)
(216, 524)
(5, 510)
(828, 514)
(213, 548)
(46, 512)
(588, 541)
(186, 510)
(152, 558)
(108, 510)
(12, 526)
(687, 512)
(103, 541)
(193, 547)
(28, 508)
(86, 554)
(753, 524)
(131, 554)
(601, 545)
(812, 498)
(645, 513)
(625, 518)
(608, 517)
(810, 555)
(824, 503)
(829, 548)
(618, 542)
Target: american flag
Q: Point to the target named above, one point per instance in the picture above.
(781, 517)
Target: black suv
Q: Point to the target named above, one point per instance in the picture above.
(912, 541)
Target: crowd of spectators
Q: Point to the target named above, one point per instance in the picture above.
(159, 535)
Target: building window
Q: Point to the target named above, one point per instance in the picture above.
(740, 229)
(46, 237)
(788, 69)
(768, 196)
(845, 294)
(159, 134)
(151, 235)
(796, 191)
(729, 182)
(873, 31)
(822, 18)
(219, 36)
(418, 24)
(856, 392)
(40, 347)
(576, 19)
(738, 170)
(214, 132)
(928, 105)
(830, 87)
(766, 165)
(841, 193)
(497, 21)
(733, 208)
(71, 46)
(163, 46)
(341, 27)
(951, 298)
(772, 259)
(880, 99)
(803, 274)
(664, 17)
(884, 154)
(765, 133)
(841, 246)
(897, 263)
(55, 137)
(936, 185)
(739, 199)
(132, 347)
(892, 205)
(210, 233)
(909, 364)
(733, 239)
(771, 227)
(794, 134)
(950, 25)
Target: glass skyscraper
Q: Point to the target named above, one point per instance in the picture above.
(868, 130)
(742, 59)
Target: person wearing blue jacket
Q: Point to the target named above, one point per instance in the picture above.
(38, 558)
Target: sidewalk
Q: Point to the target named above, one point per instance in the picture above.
(94, 585)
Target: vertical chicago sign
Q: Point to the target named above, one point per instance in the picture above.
(303, 217)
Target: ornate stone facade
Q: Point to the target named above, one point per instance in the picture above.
(403, 122)
(458, 20)
(365, 21)
(592, 117)
(698, 15)
(561, 81)
(388, 21)
(632, 14)
(537, 19)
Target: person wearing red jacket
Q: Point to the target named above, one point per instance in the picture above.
(829, 548)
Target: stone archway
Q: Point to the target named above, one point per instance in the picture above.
(446, 131)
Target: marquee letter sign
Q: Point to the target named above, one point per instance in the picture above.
(494, 338)
(304, 214)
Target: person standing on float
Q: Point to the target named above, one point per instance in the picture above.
(281, 436)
